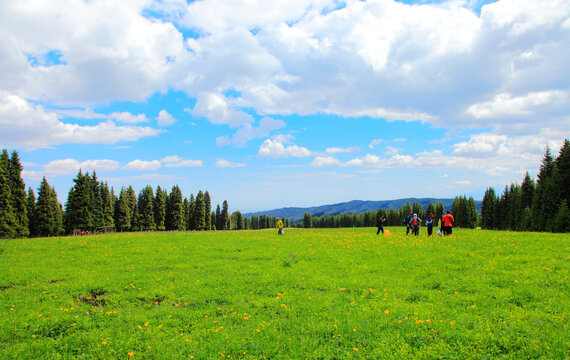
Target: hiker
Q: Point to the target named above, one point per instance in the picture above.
(416, 223)
(429, 223)
(380, 224)
(279, 226)
(447, 223)
(407, 222)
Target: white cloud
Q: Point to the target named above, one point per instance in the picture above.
(165, 119)
(176, 161)
(505, 105)
(374, 142)
(127, 117)
(321, 161)
(335, 150)
(185, 163)
(390, 150)
(32, 127)
(275, 149)
(225, 163)
(141, 165)
(70, 166)
(217, 110)
(463, 182)
(249, 132)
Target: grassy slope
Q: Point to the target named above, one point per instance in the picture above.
(342, 293)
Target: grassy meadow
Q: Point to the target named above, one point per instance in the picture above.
(310, 294)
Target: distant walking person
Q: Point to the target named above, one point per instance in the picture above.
(416, 223)
(380, 224)
(429, 224)
(447, 221)
(279, 226)
(408, 223)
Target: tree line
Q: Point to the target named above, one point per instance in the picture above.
(540, 205)
(464, 210)
(92, 206)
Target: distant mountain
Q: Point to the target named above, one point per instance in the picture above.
(351, 207)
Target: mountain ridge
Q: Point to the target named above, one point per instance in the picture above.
(351, 207)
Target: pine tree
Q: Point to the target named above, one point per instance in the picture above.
(225, 216)
(160, 208)
(307, 220)
(439, 210)
(8, 223)
(190, 215)
(19, 196)
(79, 206)
(561, 221)
(123, 213)
(97, 211)
(145, 207)
(200, 211)
(540, 216)
(563, 164)
(219, 218)
(31, 209)
(488, 209)
(108, 207)
(527, 191)
(175, 216)
(48, 215)
(207, 211)
(471, 216)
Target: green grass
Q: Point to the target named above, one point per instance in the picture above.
(311, 294)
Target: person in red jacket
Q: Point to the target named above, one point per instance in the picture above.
(447, 222)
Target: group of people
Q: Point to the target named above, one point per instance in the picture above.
(413, 223)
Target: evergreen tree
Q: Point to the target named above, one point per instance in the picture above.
(439, 210)
(527, 191)
(191, 220)
(175, 216)
(131, 200)
(145, 206)
(563, 164)
(200, 212)
(208, 211)
(219, 218)
(540, 216)
(31, 208)
(488, 209)
(160, 208)
(48, 215)
(552, 198)
(108, 207)
(307, 220)
(225, 216)
(123, 213)
(8, 222)
(561, 221)
(471, 218)
(19, 196)
(97, 212)
(238, 220)
(78, 209)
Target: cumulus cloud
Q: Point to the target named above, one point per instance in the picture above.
(141, 165)
(374, 142)
(228, 164)
(249, 132)
(165, 119)
(275, 149)
(321, 161)
(70, 166)
(336, 150)
(31, 126)
(127, 117)
(176, 161)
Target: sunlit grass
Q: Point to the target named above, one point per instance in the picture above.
(328, 294)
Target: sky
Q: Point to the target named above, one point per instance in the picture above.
(270, 104)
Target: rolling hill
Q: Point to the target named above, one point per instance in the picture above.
(351, 207)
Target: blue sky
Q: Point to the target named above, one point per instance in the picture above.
(285, 103)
